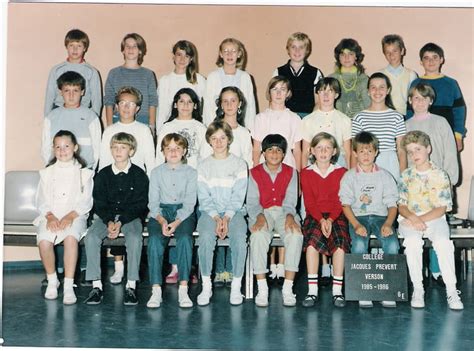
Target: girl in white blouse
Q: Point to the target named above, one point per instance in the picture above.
(63, 200)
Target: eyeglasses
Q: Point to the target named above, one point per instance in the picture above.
(123, 103)
(276, 90)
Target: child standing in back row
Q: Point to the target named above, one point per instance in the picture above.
(400, 77)
(77, 43)
(231, 62)
(350, 74)
(131, 73)
(303, 77)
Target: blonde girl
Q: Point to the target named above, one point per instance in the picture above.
(63, 200)
(231, 61)
(325, 228)
(184, 75)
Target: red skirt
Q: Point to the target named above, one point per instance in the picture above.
(313, 236)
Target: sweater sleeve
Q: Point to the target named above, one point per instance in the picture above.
(390, 191)
(152, 88)
(95, 87)
(95, 132)
(459, 111)
(100, 196)
(239, 190)
(84, 201)
(105, 157)
(149, 150)
(42, 204)
(449, 152)
(248, 91)
(337, 208)
(213, 87)
(51, 92)
(291, 196)
(154, 194)
(46, 141)
(109, 91)
(253, 199)
(189, 200)
(206, 203)
(163, 111)
(346, 189)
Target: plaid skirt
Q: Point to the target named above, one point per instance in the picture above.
(313, 236)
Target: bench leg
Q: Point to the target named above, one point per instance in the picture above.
(248, 276)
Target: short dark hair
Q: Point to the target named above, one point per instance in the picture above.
(77, 35)
(330, 82)
(431, 47)
(424, 90)
(194, 98)
(365, 138)
(274, 140)
(71, 78)
(241, 109)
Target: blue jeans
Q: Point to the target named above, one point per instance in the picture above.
(157, 243)
(207, 242)
(373, 224)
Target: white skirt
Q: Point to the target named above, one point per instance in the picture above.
(77, 228)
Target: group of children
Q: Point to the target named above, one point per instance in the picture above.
(219, 168)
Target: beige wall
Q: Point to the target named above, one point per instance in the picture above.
(36, 33)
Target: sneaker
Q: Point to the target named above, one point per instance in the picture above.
(418, 299)
(155, 300)
(339, 301)
(183, 299)
(454, 301)
(95, 297)
(310, 300)
(289, 299)
(69, 297)
(51, 292)
(130, 298)
(454, 221)
(228, 279)
(261, 300)
(117, 277)
(236, 297)
(365, 304)
(204, 297)
(219, 280)
(172, 278)
(389, 304)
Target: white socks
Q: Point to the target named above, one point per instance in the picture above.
(288, 285)
(313, 284)
(131, 284)
(97, 284)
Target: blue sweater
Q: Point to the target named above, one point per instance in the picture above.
(448, 102)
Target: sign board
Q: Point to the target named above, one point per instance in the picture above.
(375, 277)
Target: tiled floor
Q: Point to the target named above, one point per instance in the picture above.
(29, 320)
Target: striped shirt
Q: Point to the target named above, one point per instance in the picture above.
(222, 185)
(385, 125)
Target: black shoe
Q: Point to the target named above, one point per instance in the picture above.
(325, 281)
(82, 279)
(339, 301)
(130, 298)
(439, 281)
(310, 300)
(95, 297)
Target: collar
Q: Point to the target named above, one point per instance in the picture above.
(116, 171)
(395, 70)
(298, 72)
(268, 170)
(375, 168)
(82, 60)
(330, 169)
(433, 77)
(421, 117)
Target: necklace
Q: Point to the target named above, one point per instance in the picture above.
(346, 85)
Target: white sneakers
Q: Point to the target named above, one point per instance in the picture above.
(117, 277)
(183, 297)
(418, 299)
(289, 299)
(454, 301)
(261, 300)
(389, 304)
(69, 297)
(365, 304)
(236, 297)
(155, 299)
(51, 292)
(204, 297)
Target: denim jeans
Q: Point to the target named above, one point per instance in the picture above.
(373, 224)
(157, 243)
(207, 242)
